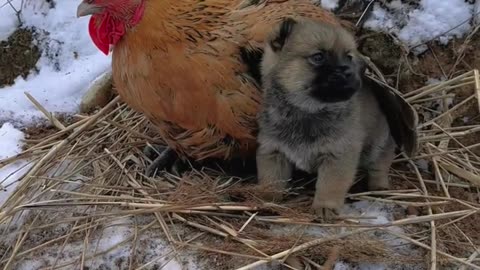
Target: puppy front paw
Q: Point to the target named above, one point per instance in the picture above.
(326, 210)
(325, 214)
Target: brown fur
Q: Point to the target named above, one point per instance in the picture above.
(181, 67)
(353, 132)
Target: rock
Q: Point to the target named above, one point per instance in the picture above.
(99, 93)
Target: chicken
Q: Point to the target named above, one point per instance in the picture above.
(191, 67)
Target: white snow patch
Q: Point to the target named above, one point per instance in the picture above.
(384, 215)
(476, 12)
(433, 19)
(117, 231)
(10, 144)
(114, 233)
(68, 64)
(10, 141)
(380, 19)
(362, 266)
(432, 81)
(378, 213)
(341, 266)
(381, 212)
(329, 4)
(9, 21)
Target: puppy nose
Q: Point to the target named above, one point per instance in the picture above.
(346, 70)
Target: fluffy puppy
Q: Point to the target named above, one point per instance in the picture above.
(321, 114)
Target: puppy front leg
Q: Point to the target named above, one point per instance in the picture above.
(335, 177)
(273, 171)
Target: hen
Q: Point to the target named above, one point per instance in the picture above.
(191, 66)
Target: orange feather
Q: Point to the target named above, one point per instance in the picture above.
(181, 67)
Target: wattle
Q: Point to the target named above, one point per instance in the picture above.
(105, 31)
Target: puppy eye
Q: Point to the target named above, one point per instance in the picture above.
(316, 59)
(350, 56)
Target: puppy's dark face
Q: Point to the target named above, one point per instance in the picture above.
(337, 75)
(313, 62)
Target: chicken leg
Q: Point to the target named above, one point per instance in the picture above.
(164, 158)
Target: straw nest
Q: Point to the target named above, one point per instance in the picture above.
(84, 201)
(87, 178)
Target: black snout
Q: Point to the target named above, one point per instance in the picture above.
(335, 84)
(346, 71)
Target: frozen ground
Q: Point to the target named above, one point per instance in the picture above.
(10, 145)
(432, 19)
(116, 232)
(69, 62)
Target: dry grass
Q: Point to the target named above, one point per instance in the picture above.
(86, 184)
(89, 174)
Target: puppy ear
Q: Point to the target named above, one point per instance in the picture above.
(285, 29)
(362, 63)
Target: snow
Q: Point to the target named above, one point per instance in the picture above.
(431, 20)
(329, 4)
(9, 20)
(10, 145)
(476, 12)
(118, 234)
(346, 266)
(383, 214)
(68, 64)
(434, 19)
(377, 213)
(10, 141)
(70, 61)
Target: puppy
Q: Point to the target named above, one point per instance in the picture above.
(323, 116)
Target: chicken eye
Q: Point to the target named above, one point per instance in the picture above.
(317, 59)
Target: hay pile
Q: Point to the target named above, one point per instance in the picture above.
(86, 181)
(84, 202)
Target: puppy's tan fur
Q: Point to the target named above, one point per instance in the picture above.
(332, 139)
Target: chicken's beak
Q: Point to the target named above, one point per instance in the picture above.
(85, 9)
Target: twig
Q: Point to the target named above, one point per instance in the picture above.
(444, 33)
(433, 244)
(453, 258)
(470, 259)
(303, 246)
(47, 114)
(476, 75)
(38, 166)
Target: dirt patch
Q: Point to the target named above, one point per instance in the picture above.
(382, 50)
(18, 56)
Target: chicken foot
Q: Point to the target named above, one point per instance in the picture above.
(164, 158)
